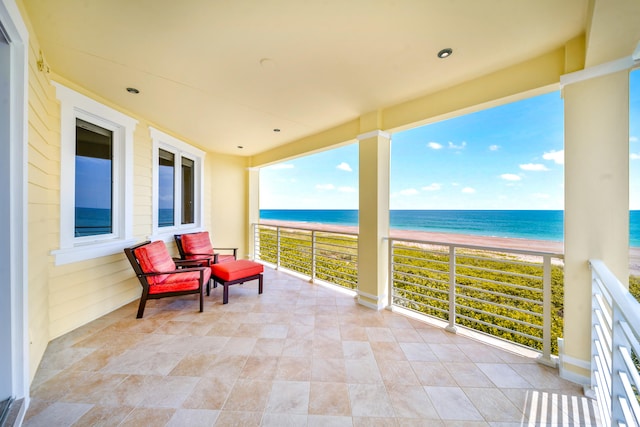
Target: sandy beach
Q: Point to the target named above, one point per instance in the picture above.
(556, 248)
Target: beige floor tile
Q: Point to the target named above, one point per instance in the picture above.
(411, 401)
(503, 376)
(59, 414)
(433, 374)
(362, 371)
(398, 372)
(327, 398)
(148, 417)
(209, 393)
(104, 416)
(331, 370)
(293, 369)
(370, 400)
(193, 418)
(329, 421)
(452, 403)
(468, 374)
(289, 397)
(493, 405)
(260, 368)
(248, 396)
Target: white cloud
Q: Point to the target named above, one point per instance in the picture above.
(634, 156)
(409, 192)
(344, 166)
(534, 167)
(511, 177)
(633, 139)
(468, 190)
(434, 145)
(325, 187)
(540, 196)
(432, 187)
(282, 166)
(457, 147)
(347, 189)
(556, 156)
(494, 147)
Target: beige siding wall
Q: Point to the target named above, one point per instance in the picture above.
(43, 190)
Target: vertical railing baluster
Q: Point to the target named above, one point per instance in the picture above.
(313, 255)
(277, 248)
(452, 290)
(390, 287)
(546, 310)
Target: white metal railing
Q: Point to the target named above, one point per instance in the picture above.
(506, 293)
(615, 352)
(328, 256)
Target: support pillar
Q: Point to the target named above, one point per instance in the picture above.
(374, 166)
(253, 209)
(596, 203)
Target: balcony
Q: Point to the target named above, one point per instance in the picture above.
(299, 354)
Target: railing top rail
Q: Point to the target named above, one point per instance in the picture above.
(302, 228)
(621, 296)
(477, 247)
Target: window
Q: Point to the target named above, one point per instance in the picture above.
(96, 176)
(94, 179)
(177, 177)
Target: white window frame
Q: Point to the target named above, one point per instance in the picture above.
(179, 149)
(74, 105)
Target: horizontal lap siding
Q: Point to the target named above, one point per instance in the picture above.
(43, 174)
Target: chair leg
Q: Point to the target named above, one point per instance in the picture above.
(202, 298)
(260, 284)
(225, 294)
(143, 302)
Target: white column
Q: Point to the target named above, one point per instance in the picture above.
(596, 202)
(374, 165)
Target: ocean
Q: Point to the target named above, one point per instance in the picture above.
(521, 224)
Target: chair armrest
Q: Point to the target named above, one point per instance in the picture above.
(235, 250)
(196, 262)
(181, 270)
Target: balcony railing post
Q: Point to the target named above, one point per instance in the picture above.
(277, 248)
(546, 312)
(390, 270)
(313, 255)
(452, 290)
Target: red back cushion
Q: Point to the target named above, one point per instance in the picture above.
(155, 258)
(195, 245)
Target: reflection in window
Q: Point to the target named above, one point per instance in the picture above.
(94, 177)
(188, 191)
(166, 183)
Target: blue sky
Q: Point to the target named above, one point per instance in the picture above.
(507, 157)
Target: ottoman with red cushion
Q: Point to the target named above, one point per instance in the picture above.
(233, 272)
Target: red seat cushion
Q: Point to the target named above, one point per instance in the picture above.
(155, 258)
(195, 245)
(180, 282)
(235, 270)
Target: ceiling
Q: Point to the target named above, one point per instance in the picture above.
(226, 73)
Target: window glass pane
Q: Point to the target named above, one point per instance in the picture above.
(187, 191)
(166, 183)
(94, 177)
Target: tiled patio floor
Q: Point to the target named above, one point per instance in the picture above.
(298, 355)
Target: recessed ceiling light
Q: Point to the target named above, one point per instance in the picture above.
(240, 147)
(445, 53)
(276, 130)
(133, 90)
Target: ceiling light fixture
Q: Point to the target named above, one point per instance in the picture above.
(133, 90)
(276, 130)
(240, 147)
(445, 53)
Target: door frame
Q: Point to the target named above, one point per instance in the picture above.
(15, 181)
